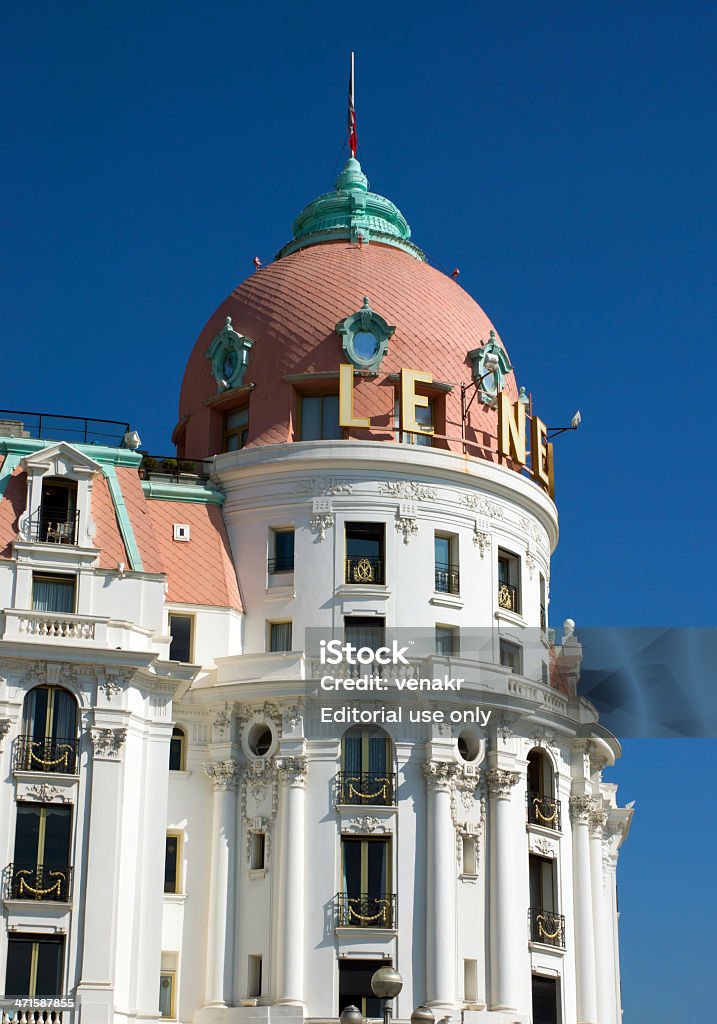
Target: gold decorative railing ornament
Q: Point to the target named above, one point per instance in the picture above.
(543, 930)
(368, 796)
(369, 918)
(25, 886)
(364, 571)
(538, 812)
(505, 597)
(63, 759)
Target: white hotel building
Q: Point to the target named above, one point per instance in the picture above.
(181, 835)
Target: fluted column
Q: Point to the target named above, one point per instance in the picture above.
(504, 936)
(290, 922)
(220, 953)
(581, 808)
(440, 888)
(603, 943)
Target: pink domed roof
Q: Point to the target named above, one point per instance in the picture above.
(290, 309)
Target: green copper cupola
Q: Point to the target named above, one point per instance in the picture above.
(353, 213)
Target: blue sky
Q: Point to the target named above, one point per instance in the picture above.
(563, 156)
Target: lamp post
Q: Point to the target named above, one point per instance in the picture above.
(422, 1015)
(386, 983)
(351, 1015)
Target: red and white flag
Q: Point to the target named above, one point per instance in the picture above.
(352, 111)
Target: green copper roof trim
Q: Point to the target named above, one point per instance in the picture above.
(8, 468)
(352, 213)
(166, 490)
(22, 446)
(123, 520)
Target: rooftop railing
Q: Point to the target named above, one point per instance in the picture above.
(44, 426)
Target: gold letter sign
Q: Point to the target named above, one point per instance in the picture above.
(410, 401)
(346, 399)
(511, 430)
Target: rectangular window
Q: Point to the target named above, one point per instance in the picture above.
(446, 563)
(511, 656)
(177, 750)
(181, 629)
(172, 863)
(355, 986)
(365, 553)
(508, 581)
(34, 967)
(53, 594)
(470, 856)
(279, 636)
(543, 605)
(236, 430)
(365, 630)
(542, 883)
(41, 861)
(56, 521)
(545, 1000)
(281, 551)
(366, 898)
(254, 972)
(425, 417)
(257, 851)
(166, 994)
(319, 418)
(470, 981)
(447, 641)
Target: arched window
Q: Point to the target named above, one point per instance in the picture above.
(49, 740)
(366, 760)
(177, 750)
(543, 808)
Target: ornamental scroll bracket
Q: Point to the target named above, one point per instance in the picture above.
(107, 743)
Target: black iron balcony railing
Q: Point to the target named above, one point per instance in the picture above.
(543, 619)
(365, 910)
(57, 756)
(543, 810)
(362, 569)
(508, 597)
(448, 579)
(547, 927)
(283, 564)
(173, 470)
(377, 788)
(53, 526)
(37, 882)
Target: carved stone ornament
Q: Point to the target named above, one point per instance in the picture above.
(221, 723)
(483, 505)
(290, 718)
(107, 743)
(44, 793)
(500, 782)
(598, 820)
(321, 523)
(481, 540)
(224, 775)
(292, 770)
(366, 823)
(5, 727)
(407, 489)
(543, 846)
(530, 562)
(110, 688)
(408, 526)
(581, 808)
(440, 774)
(323, 485)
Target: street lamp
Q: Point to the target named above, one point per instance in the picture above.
(351, 1015)
(386, 983)
(422, 1015)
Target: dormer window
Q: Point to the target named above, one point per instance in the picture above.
(59, 487)
(364, 337)
(56, 519)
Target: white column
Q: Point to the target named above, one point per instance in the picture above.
(603, 940)
(290, 918)
(580, 810)
(440, 888)
(95, 993)
(220, 951)
(505, 938)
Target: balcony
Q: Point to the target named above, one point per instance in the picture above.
(365, 910)
(366, 789)
(38, 883)
(53, 526)
(448, 579)
(53, 427)
(43, 1015)
(543, 810)
(362, 569)
(54, 756)
(51, 625)
(508, 597)
(547, 927)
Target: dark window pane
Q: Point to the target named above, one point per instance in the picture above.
(311, 419)
(330, 425)
(49, 969)
(180, 626)
(27, 832)
(377, 866)
(17, 974)
(176, 751)
(545, 1000)
(53, 594)
(280, 636)
(443, 552)
(283, 550)
(58, 828)
(355, 985)
(351, 849)
(171, 859)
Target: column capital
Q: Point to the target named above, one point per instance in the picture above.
(292, 770)
(500, 782)
(224, 775)
(598, 820)
(581, 808)
(107, 743)
(440, 774)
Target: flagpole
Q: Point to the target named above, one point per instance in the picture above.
(352, 139)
